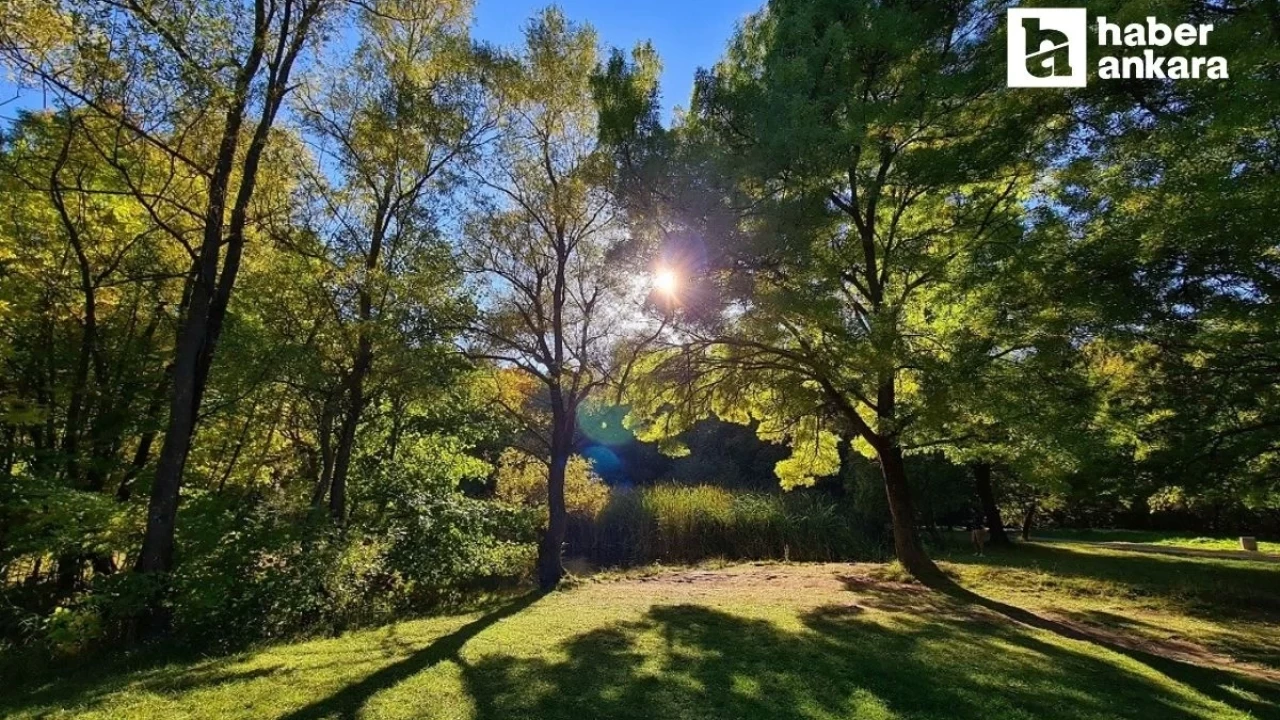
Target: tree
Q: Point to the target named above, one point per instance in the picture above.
(392, 126)
(543, 241)
(170, 76)
(865, 168)
(1170, 274)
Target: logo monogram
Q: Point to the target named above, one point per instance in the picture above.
(1047, 47)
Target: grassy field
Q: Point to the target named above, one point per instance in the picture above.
(1158, 539)
(1042, 631)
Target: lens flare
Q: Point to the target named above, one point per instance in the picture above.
(665, 281)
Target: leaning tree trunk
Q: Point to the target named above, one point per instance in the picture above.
(342, 459)
(987, 498)
(906, 537)
(550, 565)
(1027, 517)
(156, 555)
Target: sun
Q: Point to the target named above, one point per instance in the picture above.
(666, 281)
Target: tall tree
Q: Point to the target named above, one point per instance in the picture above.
(865, 165)
(541, 242)
(1175, 265)
(173, 77)
(392, 127)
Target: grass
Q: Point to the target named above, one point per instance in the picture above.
(1041, 631)
(691, 523)
(1159, 539)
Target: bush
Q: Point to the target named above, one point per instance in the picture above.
(522, 480)
(276, 575)
(691, 523)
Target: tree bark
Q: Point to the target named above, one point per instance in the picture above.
(361, 367)
(987, 498)
(1027, 517)
(347, 434)
(906, 538)
(194, 340)
(550, 565)
(211, 290)
(156, 555)
(326, 450)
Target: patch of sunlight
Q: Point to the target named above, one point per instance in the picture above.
(866, 705)
(437, 693)
(745, 685)
(1243, 694)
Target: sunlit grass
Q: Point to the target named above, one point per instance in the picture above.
(1159, 539)
(786, 641)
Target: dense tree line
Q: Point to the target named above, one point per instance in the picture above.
(287, 286)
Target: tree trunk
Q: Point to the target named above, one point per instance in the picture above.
(326, 450)
(89, 327)
(1027, 517)
(143, 452)
(550, 567)
(341, 463)
(906, 538)
(360, 368)
(194, 344)
(347, 434)
(987, 498)
(211, 291)
(156, 555)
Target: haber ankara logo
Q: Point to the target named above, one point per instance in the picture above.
(1047, 47)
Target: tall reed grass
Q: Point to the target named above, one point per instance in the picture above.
(673, 523)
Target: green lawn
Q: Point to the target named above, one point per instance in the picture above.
(1159, 539)
(1042, 631)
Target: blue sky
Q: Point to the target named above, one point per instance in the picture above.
(686, 33)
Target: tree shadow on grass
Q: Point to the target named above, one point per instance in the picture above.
(83, 684)
(347, 702)
(172, 674)
(1257, 692)
(1200, 586)
(692, 661)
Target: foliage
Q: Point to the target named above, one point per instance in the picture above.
(315, 312)
(522, 480)
(263, 574)
(673, 523)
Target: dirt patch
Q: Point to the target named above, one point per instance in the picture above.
(767, 577)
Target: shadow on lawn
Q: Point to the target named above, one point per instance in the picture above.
(690, 661)
(346, 703)
(1261, 693)
(1199, 586)
(942, 653)
(156, 673)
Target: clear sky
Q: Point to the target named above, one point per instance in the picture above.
(686, 33)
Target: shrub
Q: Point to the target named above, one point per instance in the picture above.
(691, 523)
(277, 575)
(522, 480)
